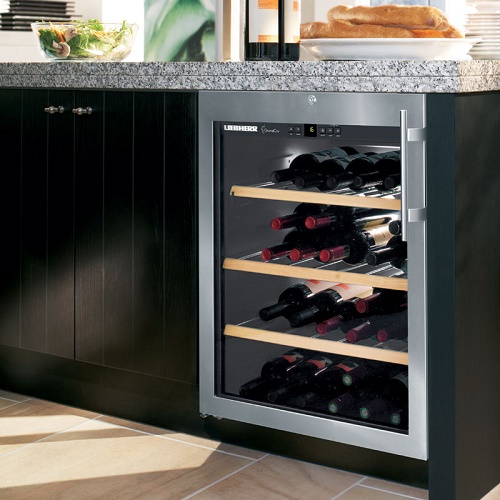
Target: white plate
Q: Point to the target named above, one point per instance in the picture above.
(389, 48)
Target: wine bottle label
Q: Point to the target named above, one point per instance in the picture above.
(321, 362)
(291, 358)
(292, 21)
(263, 21)
(347, 366)
(380, 235)
(318, 286)
(350, 291)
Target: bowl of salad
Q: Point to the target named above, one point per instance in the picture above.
(85, 40)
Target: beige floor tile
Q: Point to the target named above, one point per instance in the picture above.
(13, 396)
(401, 489)
(6, 403)
(274, 478)
(32, 420)
(97, 460)
(494, 494)
(361, 493)
(186, 438)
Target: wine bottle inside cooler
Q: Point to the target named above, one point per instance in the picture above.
(317, 176)
(347, 315)
(356, 167)
(326, 304)
(369, 371)
(383, 169)
(362, 331)
(301, 375)
(306, 162)
(298, 217)
(395, 227)
(294, 238)
(394, 252)
(383, 301)
(357, 245)
(358, 218)
(393, 326)
(293, 297)
(326, 237)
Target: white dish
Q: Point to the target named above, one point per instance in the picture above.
(389, 48)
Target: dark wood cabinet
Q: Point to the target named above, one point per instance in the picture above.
(102, 234)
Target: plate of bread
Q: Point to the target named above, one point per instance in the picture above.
(385, 32)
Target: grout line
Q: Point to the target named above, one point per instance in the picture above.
(357, 483)
(201, 490)
(10, 406)
(16, 400)
(183, 442)
(388, 491)
(46, 437)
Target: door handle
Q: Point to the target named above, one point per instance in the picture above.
(54, 109)
(82, 111)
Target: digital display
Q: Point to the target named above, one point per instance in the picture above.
(310, 130)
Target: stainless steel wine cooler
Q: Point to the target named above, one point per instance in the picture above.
(312, 254)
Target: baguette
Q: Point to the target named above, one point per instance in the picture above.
(403, 16)
(345, 29)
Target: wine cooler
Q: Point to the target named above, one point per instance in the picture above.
(312, 254)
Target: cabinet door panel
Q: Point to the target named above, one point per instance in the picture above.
(181, 209)
(10, 216)
(60, 234)
(118, 231)
(89, 271)
(149, 206)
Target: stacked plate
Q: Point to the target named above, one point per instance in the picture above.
(482, 18)
(19, 14)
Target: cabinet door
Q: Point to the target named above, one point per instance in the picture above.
(10, 215)
(47, 223)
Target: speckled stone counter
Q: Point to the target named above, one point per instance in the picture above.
(333, 76)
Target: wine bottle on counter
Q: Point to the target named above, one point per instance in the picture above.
(306, 162)
(394, 326)
(383, 301)
(262, 31)
(316, 177)
(293, 297)
(357, 245)
(298, 217)
(325, 304)
(383, 169)
(356, 167)
(394, 252)
(289, 29)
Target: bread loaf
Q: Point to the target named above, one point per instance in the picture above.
(404, 16)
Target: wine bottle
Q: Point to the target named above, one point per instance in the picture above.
(300, 375)
(343, 405)
(356, 167)
(306, 162)
(395, 227)
(356, 218)
(289, 29)
(363, 331)
(347, 315)
(257, 388)
(382, 169)
(369, 372)
(326, 237)
(383, 301)
(325, 304)
(292, 239)
(316, 177)
(394, 252)
(357, 245)
(279, 366)
(298, 217)
(394, 326)
(292, 297)
(390, 182)
(262, 30)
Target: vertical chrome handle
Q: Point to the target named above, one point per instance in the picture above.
(54, 109)
(82, 111)
(403, 116)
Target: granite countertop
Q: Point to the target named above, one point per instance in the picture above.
(317, 76)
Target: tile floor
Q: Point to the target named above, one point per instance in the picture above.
(51, 451)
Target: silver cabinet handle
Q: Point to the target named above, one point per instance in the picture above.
(409, 135)
(82, 111)
(54, 109)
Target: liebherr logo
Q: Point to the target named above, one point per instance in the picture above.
(241, 128)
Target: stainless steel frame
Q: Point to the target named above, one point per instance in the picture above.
(405, 111)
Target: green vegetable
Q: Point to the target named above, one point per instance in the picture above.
(88, 39)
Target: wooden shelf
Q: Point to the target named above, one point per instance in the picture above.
(322, 345)
(311, 197)
(315, 274)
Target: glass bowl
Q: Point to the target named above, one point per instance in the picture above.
(85, 40)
